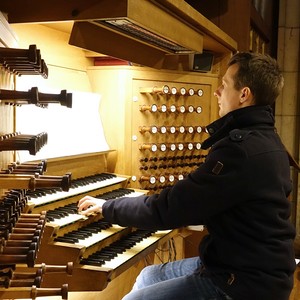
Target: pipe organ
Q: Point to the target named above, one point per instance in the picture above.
(166, 125)
(154, 122)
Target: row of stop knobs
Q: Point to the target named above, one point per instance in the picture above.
(170, 146)
(171, 109)
(165, 89)
(162, 178)
(151, 181)
(172, 129)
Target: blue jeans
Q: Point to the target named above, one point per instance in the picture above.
(174, 281)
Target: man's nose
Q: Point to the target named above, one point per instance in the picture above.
(217, 91)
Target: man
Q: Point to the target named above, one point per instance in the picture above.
(239, 193)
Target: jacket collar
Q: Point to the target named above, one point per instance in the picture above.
(241, 118)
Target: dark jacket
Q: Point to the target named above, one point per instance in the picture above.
(240, 194)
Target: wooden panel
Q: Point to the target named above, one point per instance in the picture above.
(236, 21)
(123, 85)
(232, 16)
(172, 165)
(79, 165)
(235, 17)
(173, 21)
(116, 289)
(57, 10)
(165, 24)
(84, 33)
(296, 290)
(215, 39)
(161, 22)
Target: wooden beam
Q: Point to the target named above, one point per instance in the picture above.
(36, 11)
(212, 34)
(147, 18)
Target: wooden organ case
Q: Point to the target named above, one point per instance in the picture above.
(155, 123)
(58, 248)
(157, 127)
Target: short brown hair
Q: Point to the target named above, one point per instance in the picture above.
(260, 73)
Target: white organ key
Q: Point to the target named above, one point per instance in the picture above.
(68, 220)
(134, 194)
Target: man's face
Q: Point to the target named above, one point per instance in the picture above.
(228, 96)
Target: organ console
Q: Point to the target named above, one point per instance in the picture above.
(48, 222)
(101, 253)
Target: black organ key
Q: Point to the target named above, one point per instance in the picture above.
(91, 261)
(83, 233)
(113, 250)
(67, 239)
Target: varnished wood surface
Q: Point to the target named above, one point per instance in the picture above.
(295, 294)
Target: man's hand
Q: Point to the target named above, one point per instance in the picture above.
(89, 205)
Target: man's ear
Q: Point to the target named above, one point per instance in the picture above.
(246, 95)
